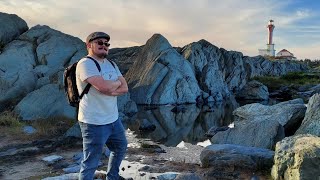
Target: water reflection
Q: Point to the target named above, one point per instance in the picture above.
(187, 123)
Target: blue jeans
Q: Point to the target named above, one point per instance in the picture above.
(94, 139)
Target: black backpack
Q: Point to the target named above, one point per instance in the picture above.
(70, 84)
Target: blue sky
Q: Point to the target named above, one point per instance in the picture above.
(238, 25)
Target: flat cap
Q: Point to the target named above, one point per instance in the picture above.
(96, 35)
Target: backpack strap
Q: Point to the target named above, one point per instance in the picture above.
(112, 63)
(88, 86)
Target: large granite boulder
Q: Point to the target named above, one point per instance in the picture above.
(297, 158)
(311, 121)
(160, 75)
(36, 58)
(289, 113)
(53, 48)
(258, 133)
(11, 27)
(204, 58)
(48, 101)
(124, 57)
(235, 156)
(253, 90)
(262, 126)
(233, 68)
(16, 72)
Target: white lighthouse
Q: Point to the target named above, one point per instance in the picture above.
(270, 51)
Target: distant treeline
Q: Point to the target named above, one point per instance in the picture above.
(311, 63)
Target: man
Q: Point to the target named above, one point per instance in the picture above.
(98, 112)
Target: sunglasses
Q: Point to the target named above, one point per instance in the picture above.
(100, 43)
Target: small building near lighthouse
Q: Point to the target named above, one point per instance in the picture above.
(285, 54)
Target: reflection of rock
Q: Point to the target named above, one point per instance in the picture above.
(189, 125)
(178, 109)
(175, 125)
(146, 126)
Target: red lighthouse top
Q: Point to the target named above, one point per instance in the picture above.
(270, 25)
(270, 29)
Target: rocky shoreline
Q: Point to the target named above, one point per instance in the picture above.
(58, 161)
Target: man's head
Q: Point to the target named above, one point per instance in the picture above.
(98, 44)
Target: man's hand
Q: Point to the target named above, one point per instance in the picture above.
(122, 89)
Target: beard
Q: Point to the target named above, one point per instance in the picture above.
(102, 54)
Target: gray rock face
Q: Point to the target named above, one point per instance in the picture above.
(311, 121)
(297, 158)
(260, 66)
(262, 126)
(262, 134)
(254, 90)
(11, 27)
(42, 47)
(289, 113)
(126, 105)
(217, 63)
(48, 101)
(160, 75)
(235, 156)
(124, 57)
(53, 48)
(233, 68)
(204, 58)
(16, 76)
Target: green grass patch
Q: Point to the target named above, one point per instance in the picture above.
(52, 127)
(290, 79)
(9, 119)
(11, 126)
